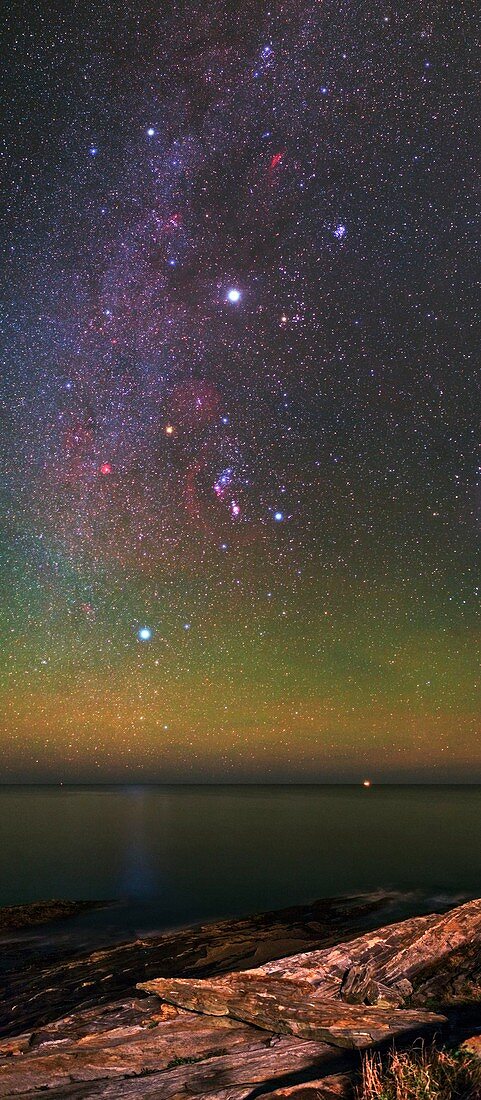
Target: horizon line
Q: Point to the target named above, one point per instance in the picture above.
(239, 783)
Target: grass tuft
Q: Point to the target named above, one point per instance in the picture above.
(429, 1074)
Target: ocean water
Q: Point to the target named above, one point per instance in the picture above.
(172, 855)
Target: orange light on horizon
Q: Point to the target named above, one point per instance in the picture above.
(366, 782)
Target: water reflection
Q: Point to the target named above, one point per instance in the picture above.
(139, 879)
(174, 855)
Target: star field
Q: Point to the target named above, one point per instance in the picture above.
(240, 362)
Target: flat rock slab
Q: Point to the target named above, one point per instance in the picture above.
(411, 959)
(291, 1007)
(287, 1028)
(142, 1048)
(35, 991)
(348, 995)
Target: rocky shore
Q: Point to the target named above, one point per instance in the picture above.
(280, 1004)
(13, 917)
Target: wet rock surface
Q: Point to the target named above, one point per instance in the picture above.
(13, 917)
(289, 1027)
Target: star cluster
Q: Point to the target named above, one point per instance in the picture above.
(241, 391)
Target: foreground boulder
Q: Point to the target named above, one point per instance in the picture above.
(349, 995)
(289, 1028)
(292, 1007)
(36, 989)
(402, 963)
(142, 1048)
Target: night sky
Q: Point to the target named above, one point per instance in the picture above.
(240, 372)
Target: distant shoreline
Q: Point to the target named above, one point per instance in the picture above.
(15, 918)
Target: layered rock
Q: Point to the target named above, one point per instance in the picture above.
(348, 995)
(289, 1028)
(13, 917)
(35, 990)
(290, 1007)
(142, 1048)
(412, 961)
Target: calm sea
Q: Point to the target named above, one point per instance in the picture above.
(170, 855)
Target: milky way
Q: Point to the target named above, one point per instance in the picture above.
(241, 392)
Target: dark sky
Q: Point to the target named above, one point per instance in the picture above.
(240, 362)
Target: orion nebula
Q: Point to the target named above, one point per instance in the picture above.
(240, 332)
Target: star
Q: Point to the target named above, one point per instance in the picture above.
(264, 303)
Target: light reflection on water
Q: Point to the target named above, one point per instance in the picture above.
(174, 855)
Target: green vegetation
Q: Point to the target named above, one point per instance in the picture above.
(429, 1074)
